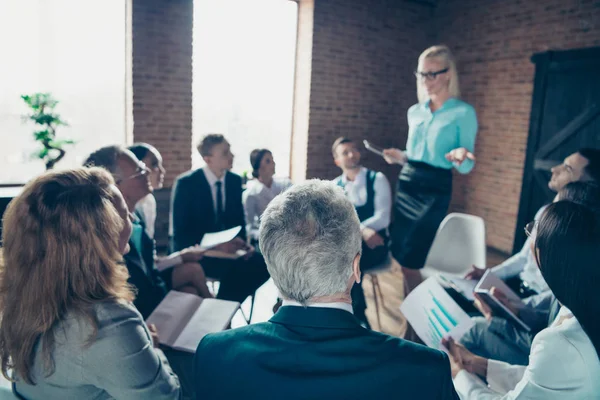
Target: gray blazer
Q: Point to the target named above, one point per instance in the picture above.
(120, 363)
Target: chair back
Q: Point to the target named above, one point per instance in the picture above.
(459, 243)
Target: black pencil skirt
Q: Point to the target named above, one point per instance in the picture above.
(422, 199)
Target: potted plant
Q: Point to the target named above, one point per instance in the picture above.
(42, 113)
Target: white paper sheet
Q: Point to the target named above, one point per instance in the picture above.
(212, 316)
(434, 315)
(216, 238)
(172, 314)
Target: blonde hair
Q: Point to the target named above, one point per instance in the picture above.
(61, 255)
(442, 52)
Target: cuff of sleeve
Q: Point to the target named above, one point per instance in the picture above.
(495, 371)
(466, 166)
(464, 382)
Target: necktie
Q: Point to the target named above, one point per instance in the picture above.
(219, 216)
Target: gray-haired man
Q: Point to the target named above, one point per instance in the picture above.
(314, 348)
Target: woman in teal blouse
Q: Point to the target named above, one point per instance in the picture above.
(441, 136)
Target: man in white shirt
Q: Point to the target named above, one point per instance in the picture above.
(369, 191)
(313, 347)
(497, 338)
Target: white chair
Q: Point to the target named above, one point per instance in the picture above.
(459, 243)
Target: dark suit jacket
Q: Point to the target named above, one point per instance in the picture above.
(143, 274)
(193, 212)
(317, 353)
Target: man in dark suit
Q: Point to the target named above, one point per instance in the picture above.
(314, 348)
(208, 200)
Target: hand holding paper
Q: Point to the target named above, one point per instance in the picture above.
(192, 254)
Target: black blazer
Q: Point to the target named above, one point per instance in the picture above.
(193, 212)
(317, 353)
(143, 274)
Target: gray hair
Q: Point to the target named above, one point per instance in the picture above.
(106, 157)
(309, 236)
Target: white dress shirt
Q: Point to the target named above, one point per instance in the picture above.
(523, 263)
(212, 180)
(338, 305)
(147, 207)
(356, 191)
(563, 365)
(257, 197)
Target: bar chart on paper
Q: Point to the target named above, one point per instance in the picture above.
(434, 315)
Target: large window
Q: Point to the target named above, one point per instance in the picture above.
(244, 54)
(74, 49)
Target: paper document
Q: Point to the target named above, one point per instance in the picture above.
(434, 315)
(183, 319)
(489, 280)
(224, 255)
(216, 238)
(372, 148)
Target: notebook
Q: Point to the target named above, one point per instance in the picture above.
(489, 280)
(183, 319)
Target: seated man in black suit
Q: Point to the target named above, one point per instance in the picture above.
(313, 347)
(207, 200)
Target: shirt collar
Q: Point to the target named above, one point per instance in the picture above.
(337, 305)
(447, 103)
(359, 177)
(211, 177)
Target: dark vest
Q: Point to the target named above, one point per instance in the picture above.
(367, 210)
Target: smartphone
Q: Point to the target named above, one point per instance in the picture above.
(374, 149)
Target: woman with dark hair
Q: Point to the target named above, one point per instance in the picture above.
(564, 362)
(262, 189)
(150, 156)
(69, 329)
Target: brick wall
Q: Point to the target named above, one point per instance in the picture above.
(363, 56)
(162, 80)
(361, 84)
(493, 41)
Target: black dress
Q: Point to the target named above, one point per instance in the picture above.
(422, 198)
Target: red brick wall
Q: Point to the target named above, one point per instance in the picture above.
(493, 41)
(162, 79)
(363, 56)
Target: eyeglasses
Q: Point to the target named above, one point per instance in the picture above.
(430, 76)
(141, 170)
(530, 228)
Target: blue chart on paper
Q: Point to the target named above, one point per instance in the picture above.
(440, 320)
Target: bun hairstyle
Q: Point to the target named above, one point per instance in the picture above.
(256, 158)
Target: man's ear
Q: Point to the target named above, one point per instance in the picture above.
(337, 162)
(356, 268)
